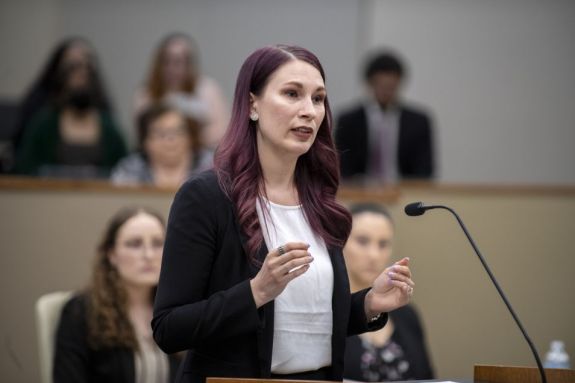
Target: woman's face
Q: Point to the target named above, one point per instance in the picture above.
(290, 109)
(168, 142)
(368, 249)
(176, 64)
(77, 63)
(137, 254)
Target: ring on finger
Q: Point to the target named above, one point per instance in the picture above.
(281, 250)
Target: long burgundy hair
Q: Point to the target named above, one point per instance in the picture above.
(238, 167)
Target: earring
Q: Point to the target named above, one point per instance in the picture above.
(254, 116)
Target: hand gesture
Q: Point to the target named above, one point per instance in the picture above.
(280, 266)
(392, 289)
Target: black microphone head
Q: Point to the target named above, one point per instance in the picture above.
(414, 209)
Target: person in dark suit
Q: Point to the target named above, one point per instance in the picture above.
(104, 333)
(398, 351)
(383, 139)
(253, 280)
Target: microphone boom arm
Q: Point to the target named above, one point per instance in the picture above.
(499, 290)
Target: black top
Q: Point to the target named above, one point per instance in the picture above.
(404, 357)
(204, 301)
(415, 146)
(75, 361)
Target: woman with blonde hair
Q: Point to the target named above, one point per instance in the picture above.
(175, 79)
(104, 333)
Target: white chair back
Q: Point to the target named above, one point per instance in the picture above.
(48, 310)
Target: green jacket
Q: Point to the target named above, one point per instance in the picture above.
(42, 136)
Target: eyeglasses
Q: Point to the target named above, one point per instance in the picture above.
(167, 134)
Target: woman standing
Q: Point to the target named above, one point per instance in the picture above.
(253, 279)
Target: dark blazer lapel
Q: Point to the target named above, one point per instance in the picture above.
(265, 334)
(340, 307)
(127, 365)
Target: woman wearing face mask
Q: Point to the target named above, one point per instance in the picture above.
(104, 333)
(73, 134)
(253, 279)
(397, 351)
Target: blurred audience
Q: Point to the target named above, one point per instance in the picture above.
(67, 128)
(169, 150)
(398, 351)
(383, 139)
(47, 87)
(104, 334)
(175, 78)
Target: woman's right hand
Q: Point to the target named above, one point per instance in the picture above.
(278, 270)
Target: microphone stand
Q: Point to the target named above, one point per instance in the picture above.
(499, 290)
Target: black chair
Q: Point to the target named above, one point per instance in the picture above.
(8, 127)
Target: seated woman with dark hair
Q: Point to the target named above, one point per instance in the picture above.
(104, 334)
(397, 351)
(68, 128)
(170, 150)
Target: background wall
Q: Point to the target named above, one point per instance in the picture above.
(496, 75)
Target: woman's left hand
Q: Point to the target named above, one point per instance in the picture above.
(392, 289)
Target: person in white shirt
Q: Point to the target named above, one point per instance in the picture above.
(253, 279)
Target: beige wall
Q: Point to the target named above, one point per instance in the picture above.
(28, 29)
(497, 77)
(47, 240)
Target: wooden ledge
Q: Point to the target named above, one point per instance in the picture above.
(347, 192)
(380, 194)
(68, 185)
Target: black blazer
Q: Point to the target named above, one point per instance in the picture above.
(415, 146)
(75, 361)
(204, 302)
(408, 333)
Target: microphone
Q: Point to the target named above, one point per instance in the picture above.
(419, 208)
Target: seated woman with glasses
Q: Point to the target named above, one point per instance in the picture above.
(169, 150)
(104, 333)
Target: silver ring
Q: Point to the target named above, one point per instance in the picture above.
(281, 250)
(410, 291)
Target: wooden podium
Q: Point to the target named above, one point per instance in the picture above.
(247, 380)
(508, 374)
(481, 374)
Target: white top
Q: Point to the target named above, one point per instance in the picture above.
(383, 136)
(152, 365)
(303, 318)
